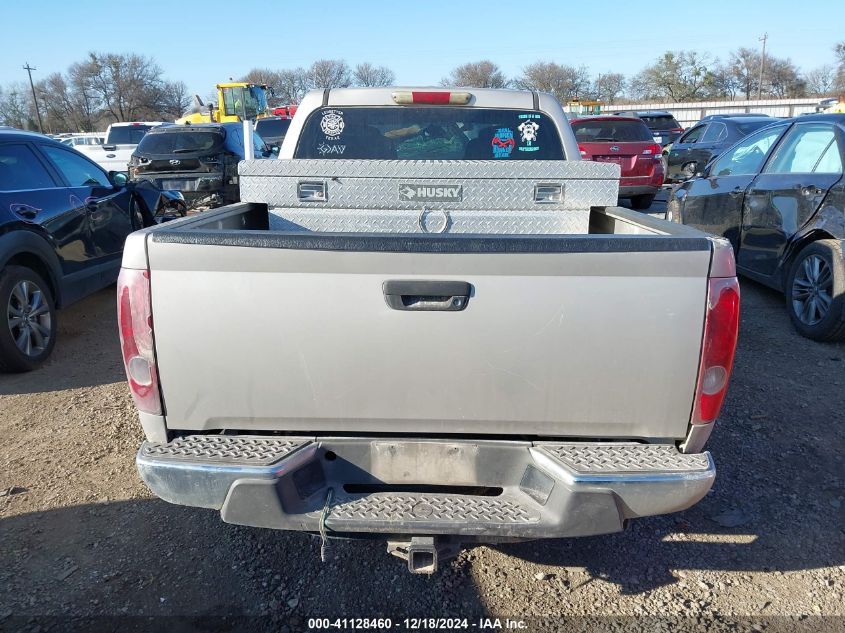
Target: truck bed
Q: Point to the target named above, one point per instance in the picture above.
(581, 336)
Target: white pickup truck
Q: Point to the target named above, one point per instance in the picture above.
(121, 141)
(427, 321)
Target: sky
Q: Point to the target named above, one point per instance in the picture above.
(207, 41)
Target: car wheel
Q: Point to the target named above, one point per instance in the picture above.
(689, 169)
(28, 333)
(815, 291)
(641, 203)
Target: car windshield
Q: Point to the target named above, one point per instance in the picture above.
(246, 103)
(660, 121)
(272, 127)
(429, 133)
(127, 134)
(611, 130)
(747, 127)
(181, 142)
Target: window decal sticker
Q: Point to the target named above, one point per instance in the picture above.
(325, 148)
(503, 143)
(528, 132)
(332, 123)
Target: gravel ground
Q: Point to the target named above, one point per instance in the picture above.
(81, 537)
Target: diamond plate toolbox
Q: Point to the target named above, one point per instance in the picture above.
(430, 196)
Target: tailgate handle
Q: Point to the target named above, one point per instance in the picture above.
(419, 295)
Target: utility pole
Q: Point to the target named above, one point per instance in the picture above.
(29, 70)
(762, 64)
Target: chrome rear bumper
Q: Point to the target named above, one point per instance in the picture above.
(479, 489)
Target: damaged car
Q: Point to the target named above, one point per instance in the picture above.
(199, 161)
(63, 223)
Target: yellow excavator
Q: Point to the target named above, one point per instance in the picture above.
(236, 101)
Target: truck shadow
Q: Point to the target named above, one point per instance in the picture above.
(148, 558)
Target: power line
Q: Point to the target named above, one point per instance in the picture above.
(29, 70)
(762, 63)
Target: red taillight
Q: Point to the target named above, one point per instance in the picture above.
(431, 97)
(653, 150)
(135, 320)
(582, 150)
(721, 327)
(677, 130)
(434, 98)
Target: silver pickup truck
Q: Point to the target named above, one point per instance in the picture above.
(427, 320)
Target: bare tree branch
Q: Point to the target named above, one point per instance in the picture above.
(483, 74)
(368, 75)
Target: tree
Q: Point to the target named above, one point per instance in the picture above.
(293, 84)
(329, 73)
(101, 89)
(483, 74)
(564, 82)
(608, 87)
(368, 75)
(59, 104)
(85, 102)
(288, 85)
(839, 81)
(677, 76)
(744, 66)
(175, 99)
(820, 81)
(724, 82)
(129, 87)
(266, 76)
(782, 80)
(13, 105)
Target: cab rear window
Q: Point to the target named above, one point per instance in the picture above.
(429, 133)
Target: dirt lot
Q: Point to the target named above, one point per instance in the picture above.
(80, 536)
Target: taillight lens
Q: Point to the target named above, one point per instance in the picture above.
(431, 97)
(582, 150)
(653, 150)
(721, 327)
(135, 320)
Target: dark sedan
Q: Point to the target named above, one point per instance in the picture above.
(706, 140)
(778, 195)
(63, 221)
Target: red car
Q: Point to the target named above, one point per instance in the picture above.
(628, 142)
(286, 112)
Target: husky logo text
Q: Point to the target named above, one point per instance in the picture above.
(410, 192)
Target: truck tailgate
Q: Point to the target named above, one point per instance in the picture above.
(578, 336)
